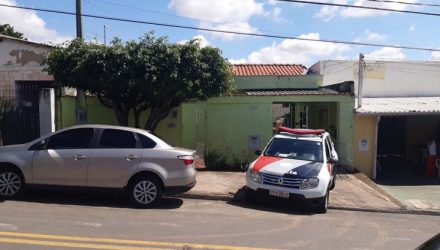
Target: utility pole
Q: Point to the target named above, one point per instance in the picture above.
(81, 110)
(106, 27)
(361, 79)
(79, 33)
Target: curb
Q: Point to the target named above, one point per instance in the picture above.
(214, 197)
(230, 197)
(389, 211)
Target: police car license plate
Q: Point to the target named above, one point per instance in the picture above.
(279, 193)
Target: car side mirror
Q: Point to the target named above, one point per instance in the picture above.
(333, 160)
(258, 152)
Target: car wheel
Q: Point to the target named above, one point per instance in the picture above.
(323, 205)
(249, 195)
(11, 183)
(145, 191)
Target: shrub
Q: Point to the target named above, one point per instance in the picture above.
(217, 161)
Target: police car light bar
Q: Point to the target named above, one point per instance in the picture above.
(299, 131)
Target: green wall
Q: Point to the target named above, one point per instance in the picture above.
(170, 128)
(229, 126)
(224, 124)
(67, 109)
(194, 125)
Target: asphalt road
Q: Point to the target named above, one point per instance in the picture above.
(65, 220)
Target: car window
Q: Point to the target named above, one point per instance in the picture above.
(327, 149)
(114, 138)
(70, 139)
(146, 142)
(295, 149)
(163, 140)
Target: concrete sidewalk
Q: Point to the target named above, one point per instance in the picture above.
(416, 196)
(352, 192)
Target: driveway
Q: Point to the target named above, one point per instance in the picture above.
(353, 191)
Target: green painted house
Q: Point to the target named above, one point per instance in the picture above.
(229, 129)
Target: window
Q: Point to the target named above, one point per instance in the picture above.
(114, 138)
(295, 149)
(163, 140)
(70, 139)
(146, 142)
(327, 150)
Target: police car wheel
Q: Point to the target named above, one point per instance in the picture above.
(249, 195)
(332, 186)
(323, 205)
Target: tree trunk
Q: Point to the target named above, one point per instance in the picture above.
(137, 114)
(156, 115)
(137, 111)
(122, 116)
(151, 122)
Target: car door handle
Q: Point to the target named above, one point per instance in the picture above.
(80, 157)
(132, 157)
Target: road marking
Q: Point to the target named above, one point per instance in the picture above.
(90, 224)
(39, 239)
(405, 239)
(69, 244)
(382, 235)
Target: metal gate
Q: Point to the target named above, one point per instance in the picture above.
(21, 122)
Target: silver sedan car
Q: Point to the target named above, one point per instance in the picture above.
(99, 156)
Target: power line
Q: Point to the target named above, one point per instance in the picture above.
(222, 31)
(164, 14)
(362, 7)
(147, 10)
(406, 3)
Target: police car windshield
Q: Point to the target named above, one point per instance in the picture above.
(295, 149)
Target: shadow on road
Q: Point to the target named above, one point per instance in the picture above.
(98, 198)
(269, 204)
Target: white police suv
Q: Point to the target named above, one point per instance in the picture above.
(297, 164)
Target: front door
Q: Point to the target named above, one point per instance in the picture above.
(115, 157)
(64, 158)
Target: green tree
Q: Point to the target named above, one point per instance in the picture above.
(151, 74)
(177, 73)
(8, 30)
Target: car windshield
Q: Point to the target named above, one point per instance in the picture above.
(295, 149)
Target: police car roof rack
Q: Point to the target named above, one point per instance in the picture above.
(300, 132)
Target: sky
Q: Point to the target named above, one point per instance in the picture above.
(270, 17)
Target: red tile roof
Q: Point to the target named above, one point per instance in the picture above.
(269, 69)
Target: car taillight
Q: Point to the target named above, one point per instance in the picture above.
(187, 159)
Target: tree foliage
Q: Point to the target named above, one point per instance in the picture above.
(8, 30)
(150, 74)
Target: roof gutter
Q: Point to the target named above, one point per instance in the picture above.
(413, 113)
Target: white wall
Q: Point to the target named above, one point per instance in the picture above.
(386, 79)
(20, 61)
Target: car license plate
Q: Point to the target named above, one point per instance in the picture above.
(279, 193)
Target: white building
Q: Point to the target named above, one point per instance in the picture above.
(400, 109)
(24, 83)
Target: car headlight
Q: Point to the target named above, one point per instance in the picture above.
(255, 176)
(309, 183)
